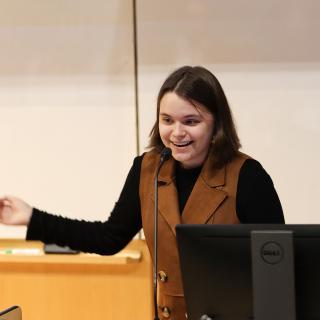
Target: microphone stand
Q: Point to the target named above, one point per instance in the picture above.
(165, 155)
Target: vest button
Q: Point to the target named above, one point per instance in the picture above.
(166, 312)
(163, 276)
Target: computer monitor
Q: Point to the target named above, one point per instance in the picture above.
(12, 313)
(228, 274)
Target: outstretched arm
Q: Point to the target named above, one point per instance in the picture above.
(99, 237)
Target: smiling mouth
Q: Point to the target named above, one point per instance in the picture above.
(182, 144)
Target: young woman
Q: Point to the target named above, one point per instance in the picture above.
(206, 180)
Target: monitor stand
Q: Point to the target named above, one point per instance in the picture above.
(273, 275)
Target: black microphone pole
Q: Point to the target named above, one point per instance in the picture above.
(165, 155)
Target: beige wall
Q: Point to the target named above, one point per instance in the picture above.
(67, 127)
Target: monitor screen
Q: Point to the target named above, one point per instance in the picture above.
(217, 267)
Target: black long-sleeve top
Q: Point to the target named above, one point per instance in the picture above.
(256, 202)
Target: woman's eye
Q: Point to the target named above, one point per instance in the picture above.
(191, 122)
(166, 120)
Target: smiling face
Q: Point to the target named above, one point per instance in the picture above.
(186, 129)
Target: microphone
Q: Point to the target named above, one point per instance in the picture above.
(164, 156)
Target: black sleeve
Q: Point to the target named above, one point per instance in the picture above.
(99, 237)
(257, 200)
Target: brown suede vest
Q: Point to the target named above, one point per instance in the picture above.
(212, 200)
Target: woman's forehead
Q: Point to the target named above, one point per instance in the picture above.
(173, 103)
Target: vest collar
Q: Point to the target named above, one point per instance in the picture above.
(203, 201)
(213, 178)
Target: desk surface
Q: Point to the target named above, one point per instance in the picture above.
(21, 251)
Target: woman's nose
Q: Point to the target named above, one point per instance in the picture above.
(178, 130)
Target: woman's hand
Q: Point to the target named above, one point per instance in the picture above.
(14, 211)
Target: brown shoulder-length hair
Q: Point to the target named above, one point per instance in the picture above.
(197, 84)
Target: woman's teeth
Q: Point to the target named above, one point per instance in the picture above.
(182, 144)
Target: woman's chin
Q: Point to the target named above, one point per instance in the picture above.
(180, 157)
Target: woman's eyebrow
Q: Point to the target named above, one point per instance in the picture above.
(192, 115)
